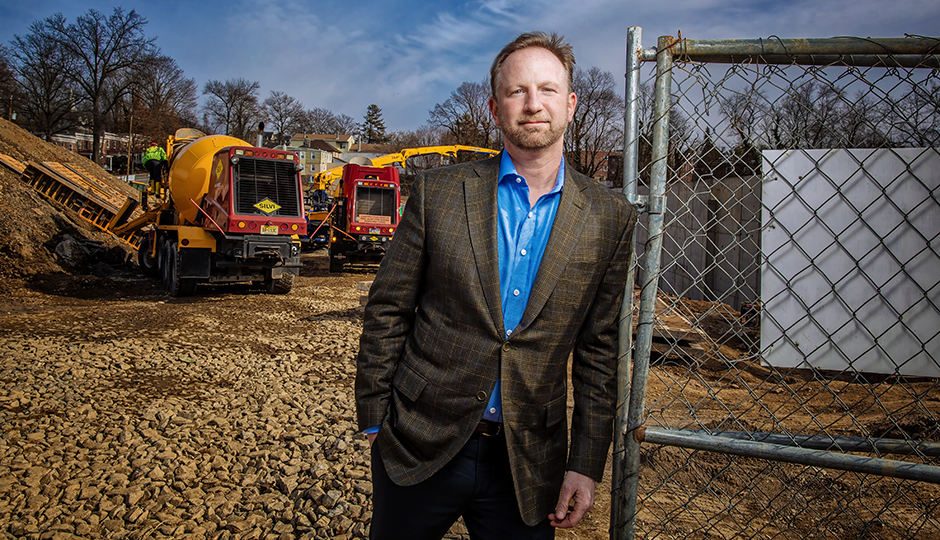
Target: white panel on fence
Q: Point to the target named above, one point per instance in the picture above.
(851, 273)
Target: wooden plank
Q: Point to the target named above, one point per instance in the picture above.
(12, 163)
(107, 197)
(668, 323)
(91, 200)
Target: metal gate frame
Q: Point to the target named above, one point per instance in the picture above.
(633, 370)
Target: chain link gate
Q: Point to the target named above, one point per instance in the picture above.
(784, 380)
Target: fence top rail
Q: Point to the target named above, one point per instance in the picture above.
(888, 52)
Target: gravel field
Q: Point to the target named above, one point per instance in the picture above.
(127, 413)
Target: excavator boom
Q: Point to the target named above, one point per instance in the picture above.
(326, 180)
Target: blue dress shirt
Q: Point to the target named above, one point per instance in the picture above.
(522, 234)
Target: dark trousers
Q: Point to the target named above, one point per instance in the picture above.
(476, 484)
(155, 168)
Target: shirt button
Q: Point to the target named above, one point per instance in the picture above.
(531, 214)
(492, 410)
(523, 252)
(481, 395)
(518, 180)
(515, 292)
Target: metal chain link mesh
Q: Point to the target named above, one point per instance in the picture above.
(799, 299)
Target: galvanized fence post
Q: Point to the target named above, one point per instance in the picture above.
(625, 334)
(649, 288)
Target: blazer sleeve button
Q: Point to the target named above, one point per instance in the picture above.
(481, 395)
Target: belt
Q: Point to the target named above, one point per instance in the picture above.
(488, 428)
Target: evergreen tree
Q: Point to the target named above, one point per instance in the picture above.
(373, 127)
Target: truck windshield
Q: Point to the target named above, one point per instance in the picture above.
(376, 205)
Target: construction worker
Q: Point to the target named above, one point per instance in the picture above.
(154, 160)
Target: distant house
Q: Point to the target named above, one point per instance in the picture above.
(315, 156)
(609, 167)
(112, 145)
(610, 170)
(341, 142)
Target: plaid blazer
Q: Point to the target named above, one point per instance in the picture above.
(433, 342)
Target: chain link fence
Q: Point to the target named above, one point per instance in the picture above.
(784, 377)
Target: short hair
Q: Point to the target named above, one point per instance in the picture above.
(553, 43)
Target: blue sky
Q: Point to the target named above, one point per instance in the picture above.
(406, 56)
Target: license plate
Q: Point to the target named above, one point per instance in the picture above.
(269, 229)
(374, 230)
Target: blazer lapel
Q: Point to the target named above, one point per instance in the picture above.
(480, 197)
(566, 233)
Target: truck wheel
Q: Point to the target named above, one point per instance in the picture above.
(178, 286)
(282, 285)
(336, 266)
(165, 262)
(145, 260)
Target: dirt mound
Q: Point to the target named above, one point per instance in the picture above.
(32, 227)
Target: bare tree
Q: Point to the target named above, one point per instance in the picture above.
(423, 136)
(162, 101)
(8, 91)
(284, 114)
(810, 115)
(914, 118)
(42, 69)
(466, 115)
(232, 106)
(802, 118)
(323, 121)
(317, 120)
(681, 134)
(597, 126)
(743, 110)
(344, 124)
(104, 51)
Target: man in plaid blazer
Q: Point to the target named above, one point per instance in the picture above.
(462, 377)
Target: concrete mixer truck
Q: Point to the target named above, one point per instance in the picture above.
(225, 212)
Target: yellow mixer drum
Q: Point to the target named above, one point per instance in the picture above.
(190, 169)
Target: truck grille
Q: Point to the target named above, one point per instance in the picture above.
(259, 179)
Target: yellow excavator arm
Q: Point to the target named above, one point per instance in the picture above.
(325, 180)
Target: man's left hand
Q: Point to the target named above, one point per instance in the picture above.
(580, 489)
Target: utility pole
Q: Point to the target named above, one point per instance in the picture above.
(130, 139)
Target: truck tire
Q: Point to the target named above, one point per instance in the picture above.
(145, 260)
(178, 286)
(165, 262)
(336, 264)
(281, 285)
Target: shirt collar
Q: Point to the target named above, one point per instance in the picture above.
(507, 167)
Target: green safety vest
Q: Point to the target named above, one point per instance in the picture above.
(152, 152)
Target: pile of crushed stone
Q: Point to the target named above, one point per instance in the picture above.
(41, 238)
